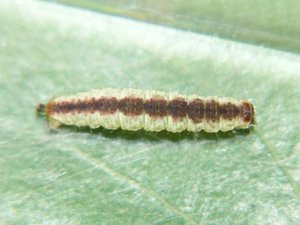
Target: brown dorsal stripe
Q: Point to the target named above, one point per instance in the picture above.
(177, 108)
(131, 106)
(211, 110)
(93, 105)
(156, 107)
(218, 111)
(236, 111)
(104, 105)
(81, 106)
(107, 105)
(226, 111)
(229, 111)
(196, 110)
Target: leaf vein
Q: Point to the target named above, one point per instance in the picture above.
(133, 183)
(274, 154)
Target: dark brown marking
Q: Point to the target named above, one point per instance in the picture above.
(41, 108)
(230, 111)
(247, 112)
(211, 110)
(103, 105)
(72, 106)
(222, 110)
(96, 103)
(218, 111)
(214, 111)
(235, 111)
(108, 105)
(226, 111)
(177, 108)
(61, 107)
(92, 105)
(131, 106)
(156, 107)
(196, 110)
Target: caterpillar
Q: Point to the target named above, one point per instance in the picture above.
(133, 109)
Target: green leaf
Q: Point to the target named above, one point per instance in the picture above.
(78, 176)
(263, 22)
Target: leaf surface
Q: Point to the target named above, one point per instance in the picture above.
(261, 22)
(78, 176)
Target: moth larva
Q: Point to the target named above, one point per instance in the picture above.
(132, 109)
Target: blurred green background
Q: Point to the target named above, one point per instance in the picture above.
(79, 176)
(262, 22)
